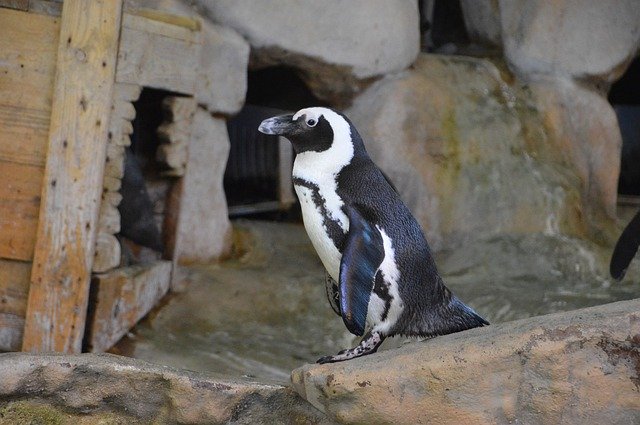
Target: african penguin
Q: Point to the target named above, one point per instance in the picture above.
(381, 278)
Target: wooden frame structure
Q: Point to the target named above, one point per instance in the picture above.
(69, 74)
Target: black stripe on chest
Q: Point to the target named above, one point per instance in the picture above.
(333, 228)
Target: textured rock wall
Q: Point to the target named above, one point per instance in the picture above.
(475, 155)
(569, 368)
(91, 388)
(335, 45)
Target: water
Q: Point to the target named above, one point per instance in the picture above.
(265, 313)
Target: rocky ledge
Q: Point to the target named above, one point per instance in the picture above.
(92, 388)
(577, 367)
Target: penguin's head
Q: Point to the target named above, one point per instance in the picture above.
(311, 129)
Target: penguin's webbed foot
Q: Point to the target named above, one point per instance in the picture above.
(369, 345)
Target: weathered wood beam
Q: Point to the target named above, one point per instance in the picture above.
(175, 133)
(14, 288)
(28, 50)
(108, 249)
(67, 227)
(122, 297)
(158, 54)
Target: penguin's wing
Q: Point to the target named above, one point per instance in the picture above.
(363, 252)
(333, 292)
(626, 248)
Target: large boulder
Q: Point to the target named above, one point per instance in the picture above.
(474, 155)
(563, 368)
(335, 44)
(90, 388)
(583, 133)
(581, 39)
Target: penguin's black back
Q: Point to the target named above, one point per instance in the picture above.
(430, 308)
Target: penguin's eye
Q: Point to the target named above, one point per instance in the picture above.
(311, 122)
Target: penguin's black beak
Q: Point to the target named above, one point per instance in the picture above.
(280, 125)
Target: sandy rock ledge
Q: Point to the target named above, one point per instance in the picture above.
(91, 388)
(577, 367)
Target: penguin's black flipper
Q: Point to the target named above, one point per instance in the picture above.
(333, 293)
(625, 249)
(362, 255)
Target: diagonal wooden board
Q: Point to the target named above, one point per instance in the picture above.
(65, 243)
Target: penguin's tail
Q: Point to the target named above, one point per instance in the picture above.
(454, 316)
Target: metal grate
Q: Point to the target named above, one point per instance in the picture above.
(258, 174)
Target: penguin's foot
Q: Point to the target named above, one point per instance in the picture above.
(369, 344)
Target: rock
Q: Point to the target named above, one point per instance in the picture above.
(474, 156)
(90, 388)
(334, 44)
(204, 230)
(461, 145)
(482, 21)
(566, 368)
(222, 84)
(583, 40)
(585, 135)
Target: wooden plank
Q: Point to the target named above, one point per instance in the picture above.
(15, 4)
(65, 243)
(14, 287)
(123, 297)
(157, 54)
(108, 252)
(28, 50)
(19, 208)
(175, 133)
(53, 8)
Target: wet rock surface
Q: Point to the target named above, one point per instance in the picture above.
(476, 155)
(91, 388)
(568, 368)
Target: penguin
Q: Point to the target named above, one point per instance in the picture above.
(381, 277)
(625, 249)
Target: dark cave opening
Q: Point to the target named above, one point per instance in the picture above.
(257, 180)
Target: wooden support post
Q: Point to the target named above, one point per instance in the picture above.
(65, 243)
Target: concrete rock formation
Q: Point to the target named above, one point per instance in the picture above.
(335, 45)
(482, 21)
(475, 155)
(222, 85)
(93, 388)
(574, 39)
(576, 367)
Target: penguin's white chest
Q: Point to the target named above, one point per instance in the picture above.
(321, 204)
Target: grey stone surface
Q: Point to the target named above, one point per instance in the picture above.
(204, 230)
(475, 155)
(581, 39)
(335, 44)
(222, 84)
(91, 388)
(482, 21)
(576, 367)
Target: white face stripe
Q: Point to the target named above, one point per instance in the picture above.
(321, 168)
